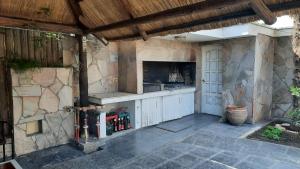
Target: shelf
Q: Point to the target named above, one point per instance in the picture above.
(117, 97)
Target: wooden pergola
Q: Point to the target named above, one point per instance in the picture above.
(115, 20)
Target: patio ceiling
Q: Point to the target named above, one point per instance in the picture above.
(113, 20)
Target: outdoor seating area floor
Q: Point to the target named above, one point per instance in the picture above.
(208, 144)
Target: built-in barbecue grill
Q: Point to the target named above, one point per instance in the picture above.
(168, 75)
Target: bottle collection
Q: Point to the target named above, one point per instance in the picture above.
(117, 122)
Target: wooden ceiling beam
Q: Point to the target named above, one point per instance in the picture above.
(127, 9)
(37, 25)
(233, 15)
(77, 13)
(170, 13)
(263, 11)
(75, 8)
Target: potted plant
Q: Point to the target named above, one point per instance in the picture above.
(236, 115)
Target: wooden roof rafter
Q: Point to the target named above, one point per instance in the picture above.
(225, 17)
(44, 26)
(170, 13)
(134, 19)
(77, 13)
(263, 11)
(127, 9)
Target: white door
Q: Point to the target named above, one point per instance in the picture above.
(211, 99)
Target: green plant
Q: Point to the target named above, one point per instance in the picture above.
(43, 37)
(21, 65)
(53, 35)
(294, 115)
(272, 133)
(295, 91)
(45, 11)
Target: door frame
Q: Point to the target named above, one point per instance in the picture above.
(203, 59)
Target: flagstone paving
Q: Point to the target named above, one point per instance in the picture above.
(208, 144)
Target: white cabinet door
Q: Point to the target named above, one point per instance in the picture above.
(151, 111)
(171, 107)
(187, 104)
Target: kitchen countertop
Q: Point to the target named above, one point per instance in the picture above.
(116, 97)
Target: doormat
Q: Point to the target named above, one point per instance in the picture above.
(176, 125)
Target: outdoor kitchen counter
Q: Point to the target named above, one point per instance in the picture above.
(117, 97)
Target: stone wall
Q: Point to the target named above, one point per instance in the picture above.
(283, 74)
(257, 73)
(70, 59)
(238, 72)
(102, 64)
(263, 77)
(39, 97)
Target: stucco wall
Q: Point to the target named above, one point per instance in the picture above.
(42, 94)
(283, 74)
(165, 50)
(133, 53)
(128, 71)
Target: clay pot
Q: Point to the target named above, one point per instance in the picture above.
(236, 115)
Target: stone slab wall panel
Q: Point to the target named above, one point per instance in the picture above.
(42, 95)
(263, 77)
(238, 72)
(102, 65)
(283, 75)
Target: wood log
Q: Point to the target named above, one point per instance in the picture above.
(77, 12)
(167, 14)
(127, 9)
(233, 15)
(263, 11)
(33, 25)
(78, 15)
(83, 76)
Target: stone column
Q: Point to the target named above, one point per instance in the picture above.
(263, 77)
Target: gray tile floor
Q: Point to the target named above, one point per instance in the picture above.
(207, 144)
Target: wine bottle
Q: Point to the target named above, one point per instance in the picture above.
(129, 125)
(119, 124)
(122, 123)
(115, 125)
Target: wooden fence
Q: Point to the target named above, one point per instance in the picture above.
(25, 45)
(30, 45)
